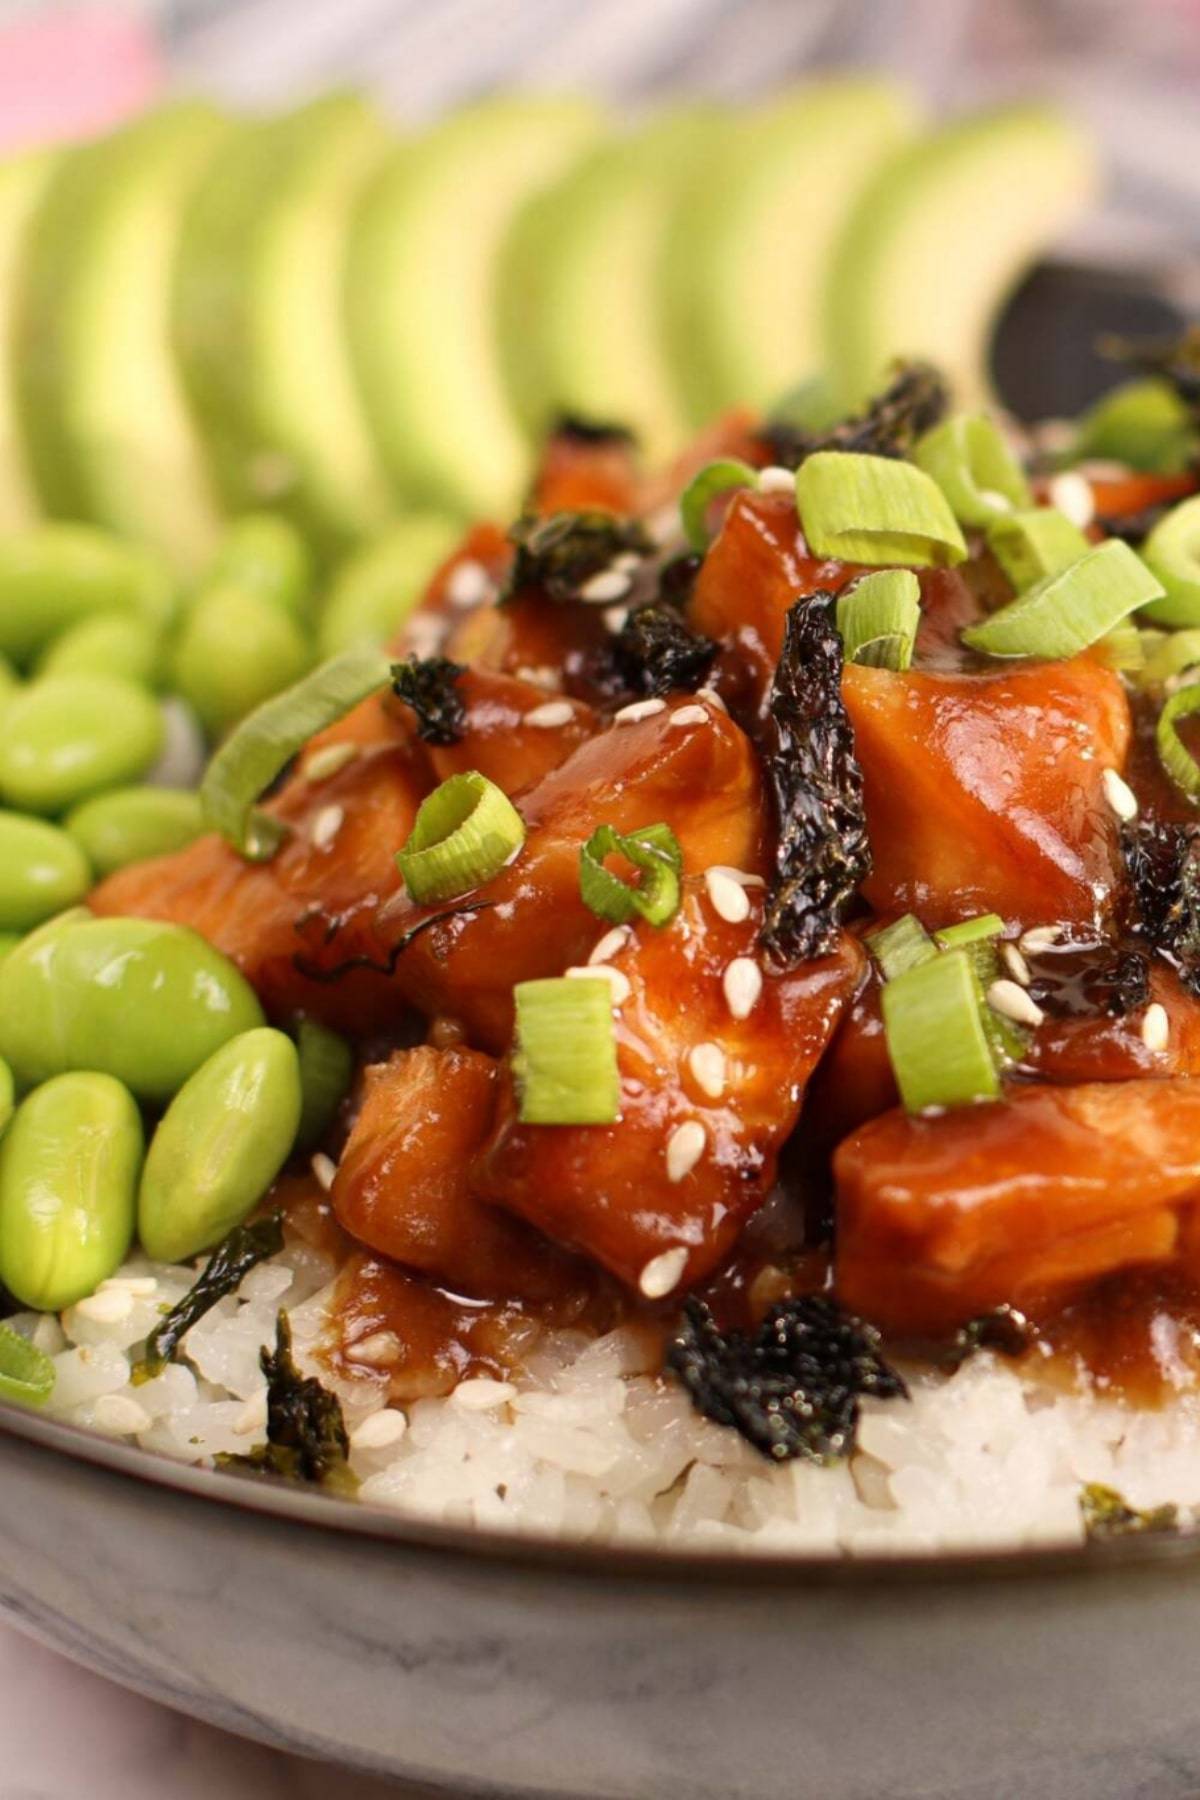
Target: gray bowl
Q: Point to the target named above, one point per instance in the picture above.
(493, 1666)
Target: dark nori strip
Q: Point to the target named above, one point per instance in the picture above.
(657, 653)
(914, 400)
(1163, 860)
(307, 1438)
(429, 684)
(1005, 1329)
(563, 550)
(242, 1250)
(582, 430)
(1107, 1514)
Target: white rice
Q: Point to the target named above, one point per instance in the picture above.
(589, 1442)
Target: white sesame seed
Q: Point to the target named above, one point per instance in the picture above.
(728, 898)
(118, 1413)
(1012, 1002)
(324, 1168)
(610, 943)
(326, 825)
(1016, 965)
(376, 1350)
(690, 715)
(328, 760)
(775, 479)
(468, 584)
(552, 714)
(1156, 1028)
(743, 877)
(609, 584)
(685, 1147)
(998, 502)
(1040, 937)
(615, 617)
(253, 1417)
(141, 1287)
(379, 1429)
(711, 696)
(423, 634)
(1120, 796)
(661, 1274)
(638, 709)
(665, 524)
(707, 1065)
(628, 562)
(1072, 494)
(539, 674)
(111, 1306)
(480, 1394)
(742, 982)
(619, 983)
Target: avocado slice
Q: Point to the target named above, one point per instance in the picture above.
(109, 431)
(421, 297)
(23, 181)
(752, 237)
(259, 323)
(581, 316)
(941, 238)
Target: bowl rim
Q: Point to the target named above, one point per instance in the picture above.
(268, 1497)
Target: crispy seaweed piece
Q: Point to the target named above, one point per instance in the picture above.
(816, 788)
(1163, 860)
(1005, 1329)
(581, 430)
(792, 1388)
(656, 652)
(429, 685)
(245, 1247)
(1102, 978)
(562, 551)
(913, 401)
(1107, 1514)
(307, 1438)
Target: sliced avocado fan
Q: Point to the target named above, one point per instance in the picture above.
(259, 322)
(421, 297)
(751, 240)
(109, 432)
(23, 181)
(942, 237)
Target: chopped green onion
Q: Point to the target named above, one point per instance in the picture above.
(1121, 648)
(969, 458)
(263, 743)
(326, 1070)
(1172, 551)
(27, 1374)
(878, 618)
(1066, 612)
(1142, 423)
(654, 851)
(713, 479)
(1031, 545)
(1008, 1040)
(565, 1062)
(464, 833)
(1173, 753)
(900, 946)
(874, 509)
(1168, 654)
(936, 1037)
(970, 931)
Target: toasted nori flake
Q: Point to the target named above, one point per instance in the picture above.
(656, 652)
(793, 1387)
(245, 1247)
(429, 685)
(1005, 1330)
(1163, 860)
(1107, 1514)
(306, 1433)
(913, 401)
(584, 430)
(677, 578)
(1104, 978)
(816, 787)
(562, 551)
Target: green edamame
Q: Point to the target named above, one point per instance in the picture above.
(71, 736)
(119, 644)
(219, 1145)
(8, 1094)
(42, 870)
(54, 575)
(69, 1167)
(326, 1069)
(127, 825)
(144, 1001)
(10, 682)
(264, 552)
(374, 591)
(235, 650)
(8, 942)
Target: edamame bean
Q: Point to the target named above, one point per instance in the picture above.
(42, 870)
(8, 1092)
(263, 552)
(69, 1166)
(110, 644)
(235, 650)
(374, 591)
(71, 736)
(219, 1145)
(326, 1068)
(8, 942)
(129, 824)
(10, 683)
(145, 1001)
(53, 575)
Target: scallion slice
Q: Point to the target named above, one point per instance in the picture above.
(565, 1061)
(905, 944)
(936, 1037)
(969, 458)
(257, 750)
(874, 509)
(26, 1373)
(878, 618)
(1066, 612)
(1031, 545)
(1168, 654)
(713, 479)
(464, 833)
(1172, 552)
(1173, 753)
(969, 931)
(1121, 648)
(654, 852)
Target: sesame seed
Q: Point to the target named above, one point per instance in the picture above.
(742, 982)
(328, 760)
(376, 1350)
(998, 502)
(610, 943)
(609, 584)
(628, 562)
(615, 617)
(743, 877)
(665, 524)
(661, 1274)
(1016, 965)
(423, 634)
(1120, 796)
(112, 1306)
(326, 825)
(468, 584)
(539, 674)
(1072, 494)
(117, 1412)
(1040, 937)
(619, 983)
(379, 1429)
(727, 897)
(707, 1065)
(712, 698)
(253, 1417)
(142, 1287)
(553, 713)
(775, 479)
(639, 709)
(1012, 1002)
(481, 1394)
(324, 1168)
(1156, 1028)
(690, 715)
(685, 1146)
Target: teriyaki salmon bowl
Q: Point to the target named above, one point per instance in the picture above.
(690, 1045)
